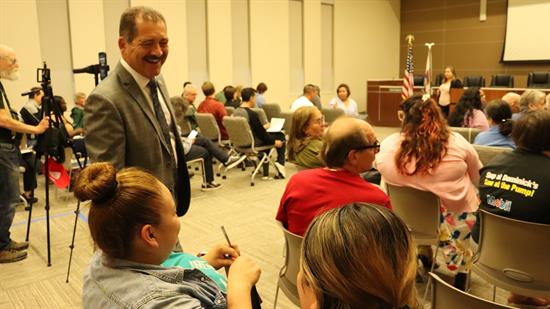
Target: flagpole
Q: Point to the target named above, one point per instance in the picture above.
(428, 72)
(408, 78)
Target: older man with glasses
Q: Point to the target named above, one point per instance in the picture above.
(349, 147)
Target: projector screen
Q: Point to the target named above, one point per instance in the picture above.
(527, 31)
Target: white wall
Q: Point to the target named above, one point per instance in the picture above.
(366, 42)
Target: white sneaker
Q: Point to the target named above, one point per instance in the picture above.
(211, 186)
(280, 169)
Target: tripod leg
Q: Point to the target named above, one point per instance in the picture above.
(29, 222)
(77, 213)
(47, 207)
(36, 158)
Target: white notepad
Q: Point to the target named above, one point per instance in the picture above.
(276, 125)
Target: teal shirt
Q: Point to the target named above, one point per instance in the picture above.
(188, 261)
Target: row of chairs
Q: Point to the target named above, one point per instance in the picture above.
(534, 80)
(503, 258)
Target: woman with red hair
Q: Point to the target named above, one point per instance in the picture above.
(427, 156)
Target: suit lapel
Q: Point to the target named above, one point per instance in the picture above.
(136, 93)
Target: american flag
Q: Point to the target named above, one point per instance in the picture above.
(408, 78)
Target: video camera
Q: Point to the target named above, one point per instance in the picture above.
(56, 138)
(101, 69)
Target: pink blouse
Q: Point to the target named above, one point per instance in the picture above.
(451, 180)
(478, 120)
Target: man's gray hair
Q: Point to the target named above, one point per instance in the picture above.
(530, 97)
(128, 28)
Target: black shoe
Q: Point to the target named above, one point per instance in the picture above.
(30, 200)
(211, 186)
(460, 281)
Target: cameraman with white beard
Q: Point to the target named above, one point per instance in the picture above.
(10, 250)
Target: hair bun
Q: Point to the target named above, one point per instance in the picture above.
(96, 182)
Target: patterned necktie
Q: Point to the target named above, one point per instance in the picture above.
(160, 113)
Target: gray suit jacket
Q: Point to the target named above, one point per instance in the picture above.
(122, 129)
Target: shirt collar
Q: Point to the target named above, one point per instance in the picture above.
(141, 80)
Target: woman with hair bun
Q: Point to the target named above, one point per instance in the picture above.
(133, 222)
(357, 256)
(500, 126)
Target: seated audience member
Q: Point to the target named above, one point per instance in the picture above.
(260, 98)
(31, 113)
(306, 99)
(134, 225)
(77, 113)
(210, 105)
(200, 147)
(530, 100)
(512, 99)
(220, 96)
(349, 147)
(75, 134)
(261, 136)
(229, 93)
(306, 137)
(531, 162)
(357, 256)
(343, 101)
(237, 95)
(189, 96)
(469, 111)
(427, 156)
(317, 98)
(500, 122)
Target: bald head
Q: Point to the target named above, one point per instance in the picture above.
(190, 93)
(512, 99)
(9, 69)
(344, 144)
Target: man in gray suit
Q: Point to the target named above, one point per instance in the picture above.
(127, 119)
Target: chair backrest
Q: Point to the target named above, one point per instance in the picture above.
(239, 132)
(419, 210)
(293, 246)
(446, 296)
(230, 110)
(468, 133)
(261, 114)
(538, 80)
(439, 79)
(487, 153)
(272, 110)
(502, 80)
(332, 114)
(514, 254)
(418, 80)
(474, 81)
(288, 121)
(208, 126)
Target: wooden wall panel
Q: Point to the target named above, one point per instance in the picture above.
(461, 39)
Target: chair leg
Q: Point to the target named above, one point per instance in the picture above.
(258, 167)
(428, 285)
(494, 292)
(276, 295)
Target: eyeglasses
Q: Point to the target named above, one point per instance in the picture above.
(375, 146)
(11, 60)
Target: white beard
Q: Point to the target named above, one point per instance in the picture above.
(12, 75)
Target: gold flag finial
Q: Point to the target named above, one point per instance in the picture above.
(409, 38)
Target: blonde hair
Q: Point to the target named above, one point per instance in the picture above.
(359, 256)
